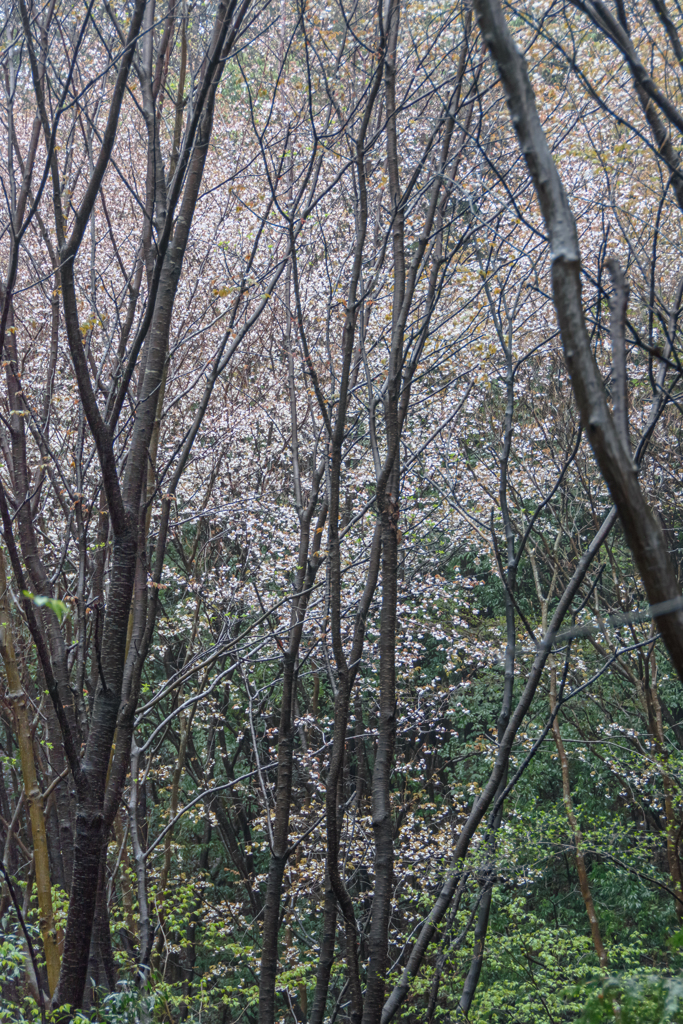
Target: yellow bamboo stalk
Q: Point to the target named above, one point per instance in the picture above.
(32, 793)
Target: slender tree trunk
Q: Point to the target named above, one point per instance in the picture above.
(480, 931)
(326, 957)
(145, 929)
(584, 884)
(653, 708)
(185, 727)
(382, 819)
(304, 579)
(32, 793)
(388, 506)
(643, 532)
(492, 788)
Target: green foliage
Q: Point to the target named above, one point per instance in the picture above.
(11, 957)
(637, 999)
(535, 971)
(60, 609)
(12, 966)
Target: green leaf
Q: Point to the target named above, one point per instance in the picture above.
(60, 609)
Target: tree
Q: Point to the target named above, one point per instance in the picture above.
(328, 664)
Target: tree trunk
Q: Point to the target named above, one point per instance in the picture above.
(32, 793)
(584, 884)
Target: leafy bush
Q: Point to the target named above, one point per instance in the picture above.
(640, 999)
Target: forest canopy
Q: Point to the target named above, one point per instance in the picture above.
(341, 523)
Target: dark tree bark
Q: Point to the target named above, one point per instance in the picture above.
(643, 532)
(308, 563)
(100, 773)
